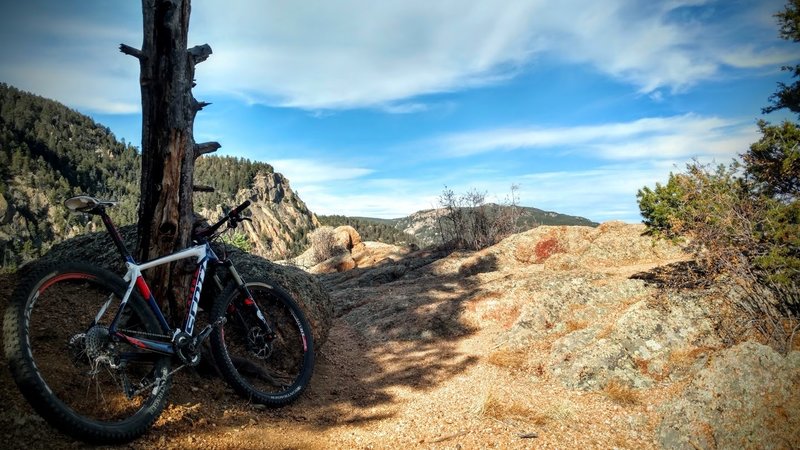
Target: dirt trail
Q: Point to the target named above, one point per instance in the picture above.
(409, 364)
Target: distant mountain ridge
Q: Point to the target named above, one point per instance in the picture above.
(49, 153)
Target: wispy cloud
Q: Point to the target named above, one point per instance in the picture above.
(318, 54)
(311, 171)
(601, 193)
(365, 54)
(658, 137)
(67, 83)
(371, 204)
(405, 108)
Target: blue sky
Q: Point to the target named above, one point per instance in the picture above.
(371, 108)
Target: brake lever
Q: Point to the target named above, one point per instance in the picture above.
(234, 220)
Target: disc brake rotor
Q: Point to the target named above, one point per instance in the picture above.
(258, 344)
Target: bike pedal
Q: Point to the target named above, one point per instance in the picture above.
(207, 330)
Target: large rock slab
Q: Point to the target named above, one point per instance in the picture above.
(747, 397)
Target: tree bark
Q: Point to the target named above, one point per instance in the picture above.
(168, 148)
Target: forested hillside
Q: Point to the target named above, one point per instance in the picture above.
(49, 153)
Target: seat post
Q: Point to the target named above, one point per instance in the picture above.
(115, 236)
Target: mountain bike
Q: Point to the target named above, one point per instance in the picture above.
(93, 354)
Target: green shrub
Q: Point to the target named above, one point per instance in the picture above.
(238, 240)
(741, 221)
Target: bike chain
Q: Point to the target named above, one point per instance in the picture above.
(144, 333)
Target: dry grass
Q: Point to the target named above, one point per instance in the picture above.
(507, 408)
(514, 359)
(642, 365)
(686, 356)
(621, 393)
(575, 325)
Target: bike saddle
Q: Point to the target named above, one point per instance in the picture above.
(84, 203)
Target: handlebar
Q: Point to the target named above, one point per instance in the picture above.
(238, 209)
(232, 215)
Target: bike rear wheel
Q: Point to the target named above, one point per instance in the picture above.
(269, 370)
(69, 369)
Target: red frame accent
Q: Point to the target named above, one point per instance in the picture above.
(133, 341)
(144, 289)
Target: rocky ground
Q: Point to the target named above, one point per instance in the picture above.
(558, 337)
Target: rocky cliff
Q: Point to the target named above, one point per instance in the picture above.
(280, 219)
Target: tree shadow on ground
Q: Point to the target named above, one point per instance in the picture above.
(398, 327)
(678, 275)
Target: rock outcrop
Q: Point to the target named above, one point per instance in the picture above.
(3, 210)
(279, 217)
(747, 397)
(572, 306)
(353, 253)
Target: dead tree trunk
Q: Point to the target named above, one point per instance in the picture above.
(168, 147)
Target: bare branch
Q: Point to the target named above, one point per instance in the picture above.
(205, 147)
(128, 50)
(200, 53)
(199, 105)
(202, 188)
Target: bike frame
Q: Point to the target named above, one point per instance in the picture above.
(203, 254)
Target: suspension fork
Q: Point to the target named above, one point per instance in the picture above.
(248, 304)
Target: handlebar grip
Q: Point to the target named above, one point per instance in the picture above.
(239, 209)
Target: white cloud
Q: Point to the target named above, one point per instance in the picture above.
(345, 54)
(405, 108)
(356, 53)
(605, 192)
(659, 137)
(376, 204)
(105, 91)
(602, 193)
(319, 54)
(310, 171)
(751, 57)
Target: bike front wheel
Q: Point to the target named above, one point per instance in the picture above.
(271, 369)
(67, 366)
